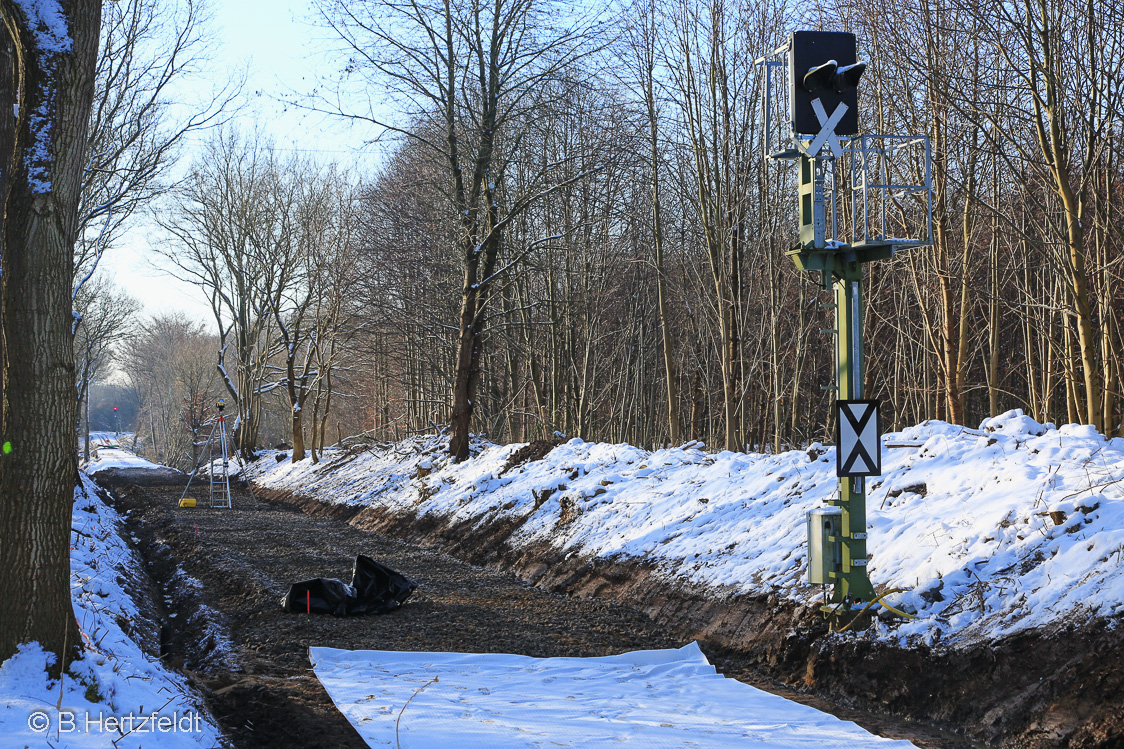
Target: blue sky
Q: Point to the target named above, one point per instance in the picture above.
(285, 53)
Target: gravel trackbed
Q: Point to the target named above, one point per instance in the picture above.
(219, 576)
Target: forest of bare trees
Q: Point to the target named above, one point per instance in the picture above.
(574, 230)
(627, 279)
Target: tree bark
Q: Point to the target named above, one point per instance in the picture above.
(470, 343)
(44, 75)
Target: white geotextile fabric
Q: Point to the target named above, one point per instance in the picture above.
(656, 699)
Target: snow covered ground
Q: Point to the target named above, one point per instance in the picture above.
(989, 531)
(111, 439)
(116, 696)
(651, 699)
(114, 457)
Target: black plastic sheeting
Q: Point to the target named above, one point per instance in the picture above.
(374, 589)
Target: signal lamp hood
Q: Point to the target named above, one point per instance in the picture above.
(821, 76)
(848, 76)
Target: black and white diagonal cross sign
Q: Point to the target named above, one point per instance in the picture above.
(858, 439)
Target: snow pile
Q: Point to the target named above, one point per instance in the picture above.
(651, 698)
(116, 695)
(1013, 526)
(116, 463)
(108, 458)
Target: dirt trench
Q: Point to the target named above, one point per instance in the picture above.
(220, 576)
(1043, 689)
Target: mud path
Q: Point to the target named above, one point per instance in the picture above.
(250, 659)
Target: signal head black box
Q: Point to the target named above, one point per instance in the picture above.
(810, 52)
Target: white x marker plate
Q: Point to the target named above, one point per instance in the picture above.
(827, 134)
(858, 451)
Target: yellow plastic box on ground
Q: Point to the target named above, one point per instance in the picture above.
(187, 502)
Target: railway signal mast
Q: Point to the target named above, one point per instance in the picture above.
(861, 197)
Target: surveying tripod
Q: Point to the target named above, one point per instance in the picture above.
(220, 484)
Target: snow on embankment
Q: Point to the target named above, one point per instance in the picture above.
(1013, 526)
(112, 463)
(113, 457)
(116, 695)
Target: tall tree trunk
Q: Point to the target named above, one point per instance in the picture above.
(85, 406)
(467, 372)
(296, 388)
(38, 468)
(1056, 145)
(670, 376)
(470, 340)
(298, 435)
(993, 321)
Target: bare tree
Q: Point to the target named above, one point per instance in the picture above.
(469, 73)
(309, 245)
(264, 236)
(334, 312)
(106, 314)
(643, 53)
(222, 227)
(681, 233)
(136, 129)
(1066, 60)
(169, 361)
(712, 74)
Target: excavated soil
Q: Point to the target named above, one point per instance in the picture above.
(1058, 688)
(220, 576)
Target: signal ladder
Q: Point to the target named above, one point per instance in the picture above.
(220, 484)
(220, 480)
